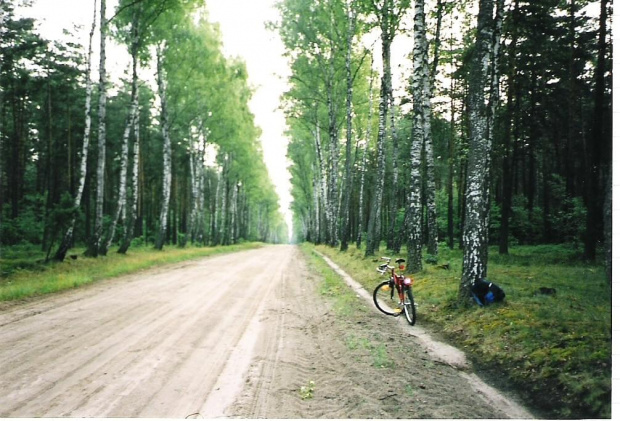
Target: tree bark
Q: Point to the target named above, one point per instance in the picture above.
(414, 217)
(121, 209)
(363, 169)
(323, 183)
(133, 211)
(597, 147)
(95, 243)
(167, 155)
(507, 172)
(428, 85)
(345, 230)
(475, 236)
(65, 244)
(373, 235)
(332, 192)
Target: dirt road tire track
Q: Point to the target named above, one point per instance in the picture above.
(148, 345)
(228, 336)
(341, 357)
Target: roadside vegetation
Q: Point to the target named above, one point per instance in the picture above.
(24, 273)
(555, 348)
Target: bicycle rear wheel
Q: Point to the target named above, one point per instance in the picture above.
(409, 307)
(386, 298)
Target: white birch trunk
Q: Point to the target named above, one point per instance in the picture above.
(392, 240)
(373, 235)
(133, 214)
(68, 237)
(363, 169)
(122, 189)
(101, 144)
(194, 197)
(332, 202)
(348, 181)
(167, 153)
(317, 215)
(216, 217)
(132, 123)
(427, 90)
(475, 233)
(414, 220)
(323, 178)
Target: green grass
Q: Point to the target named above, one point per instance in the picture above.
(557, 349)
(29, 276)
(346, 305)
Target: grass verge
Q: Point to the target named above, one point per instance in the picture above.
(29, 277)
(556, 349)
(347, 306)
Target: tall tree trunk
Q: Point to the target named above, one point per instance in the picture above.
(393, 196)
(450, 183)
(317, 213)
(507, 172)
(428, 85)
(475, 236)
(215, 223)
(95, 243)
(598, 145)
(167, 155)
(451, 148)
(373, 235)
(363, 169)
(121, 209)
(345, 229)
(607, 225)
(414, 217)
(323, 183)
(65, 244)
(332, 196)
(133, 210)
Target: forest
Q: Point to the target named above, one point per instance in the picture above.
(499, 135)
(168, 155)
(494, 129)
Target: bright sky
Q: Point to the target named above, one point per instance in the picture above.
(242, 23)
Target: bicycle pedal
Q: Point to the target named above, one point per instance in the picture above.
(397, 311)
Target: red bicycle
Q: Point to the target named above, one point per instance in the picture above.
(394, 296)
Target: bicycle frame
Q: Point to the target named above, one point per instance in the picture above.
(401, 282)
(387, 303)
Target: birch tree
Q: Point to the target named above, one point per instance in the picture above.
(65, 244)
(121, 208)
(363, 164)
(95, 242)
(427, 94)
(345, 228)
(167, 152)
(475, 235)
(133, 208)
(418, 84)
(387, 14)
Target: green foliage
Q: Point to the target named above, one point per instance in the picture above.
(555, 348)
(28, 226)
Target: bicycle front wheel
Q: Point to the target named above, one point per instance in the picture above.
(409, 307)
(386, 298)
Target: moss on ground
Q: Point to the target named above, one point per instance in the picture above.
(555, 349)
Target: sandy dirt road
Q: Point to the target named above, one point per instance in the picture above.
(237, 335)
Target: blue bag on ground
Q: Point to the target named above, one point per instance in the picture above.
(485, 292)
